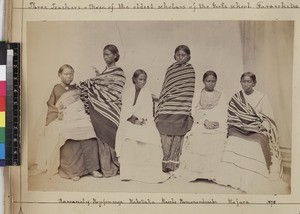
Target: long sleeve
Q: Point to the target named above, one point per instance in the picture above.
(217, 114)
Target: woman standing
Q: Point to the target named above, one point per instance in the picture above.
(102, 96)
(251, 160)
(173, 118)
(204, 144)
(138, 143)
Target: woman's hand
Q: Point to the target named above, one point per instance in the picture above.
(211, 125)
(135, 120)
(264, 126)
(97, 72)
(140, 121)
(60, 115)
(61, 107)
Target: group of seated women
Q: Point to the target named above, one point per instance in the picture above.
(104, 131)
(233, 144)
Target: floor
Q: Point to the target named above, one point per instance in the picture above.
(113, 184)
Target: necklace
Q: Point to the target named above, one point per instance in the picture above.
(65, 87)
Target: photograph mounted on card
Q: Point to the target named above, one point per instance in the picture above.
(160, 106)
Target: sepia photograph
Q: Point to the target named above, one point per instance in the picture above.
(160, 106)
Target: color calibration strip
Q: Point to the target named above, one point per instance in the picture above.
(9, 103)
(13, 113)
(3, 55)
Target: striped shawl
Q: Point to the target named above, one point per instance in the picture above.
(245, 122)
(177, 90)
(104, 93)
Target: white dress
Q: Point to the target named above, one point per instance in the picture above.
(75, 125)
(243, 165)
(138, 147)
(203, 148)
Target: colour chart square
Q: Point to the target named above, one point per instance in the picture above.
(2, 103)
(2, 134)
(2, 151)
(2, 72)
(2, 88)
(2, 119)
(3, 55)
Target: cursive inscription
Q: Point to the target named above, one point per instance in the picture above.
(162, 5)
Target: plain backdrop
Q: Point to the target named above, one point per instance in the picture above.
(227, 47)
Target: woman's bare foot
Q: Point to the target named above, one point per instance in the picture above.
(96, 174)
(76, 178)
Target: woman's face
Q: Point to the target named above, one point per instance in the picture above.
(109, 57)
(181, 57)
(140, 81)
(247, 84)
(210, 83)
(67, 76)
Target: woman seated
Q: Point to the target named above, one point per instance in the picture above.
(251, 160)
(204, 144)
(138, 143)
(69, 144)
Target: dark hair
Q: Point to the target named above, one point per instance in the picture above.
(183, 48)
(209, 73)
(249, 74)
(63, 67)
(137, 73)
(114, 50)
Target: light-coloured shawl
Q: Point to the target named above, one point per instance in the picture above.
(142, 109)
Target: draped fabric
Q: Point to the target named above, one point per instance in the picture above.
(52, 112)
(139, 146)
(102, 98)
(104, 93)
(173, 118)
(251, 160)
(203, 148)
(177, 90)
(245, 122)
(267, 50)
(75, 125)
(142, 109)
(175, 101)
(78, 158)
(210, 106)
(207, 102)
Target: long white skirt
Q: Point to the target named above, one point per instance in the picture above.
(243, 166)
(141, 162)
(201, 156)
